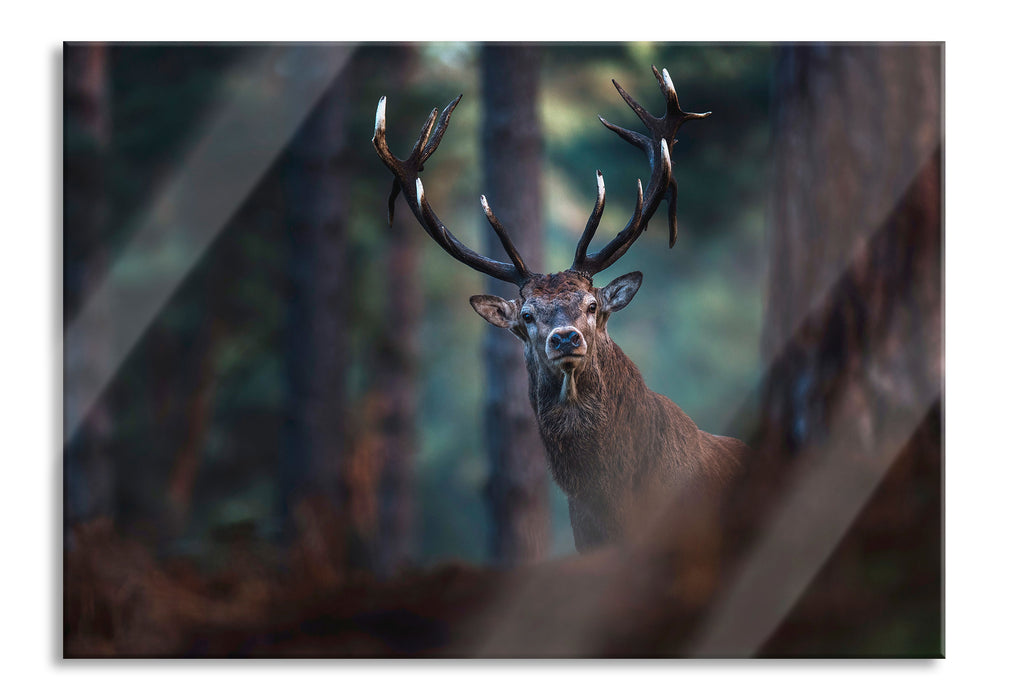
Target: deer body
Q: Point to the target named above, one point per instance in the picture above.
(612, 444)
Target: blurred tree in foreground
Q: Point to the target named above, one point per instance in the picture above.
(852, 417)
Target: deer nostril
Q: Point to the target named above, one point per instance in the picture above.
(563, 339)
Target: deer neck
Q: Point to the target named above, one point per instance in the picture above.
(588, 396)
(586, 424)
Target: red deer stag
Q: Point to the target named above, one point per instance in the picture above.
(611, 442)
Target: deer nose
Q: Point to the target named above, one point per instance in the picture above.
(565, 339)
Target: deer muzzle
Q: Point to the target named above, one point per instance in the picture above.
(566, 345)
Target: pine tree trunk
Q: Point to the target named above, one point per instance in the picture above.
(512, 149)
(316, 352)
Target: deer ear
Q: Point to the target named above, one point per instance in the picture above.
(495, 310)
(618, 293)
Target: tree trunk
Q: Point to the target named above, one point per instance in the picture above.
(88, 470)
(316, 352)
(512, 149)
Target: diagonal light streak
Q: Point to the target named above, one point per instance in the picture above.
(264, 101)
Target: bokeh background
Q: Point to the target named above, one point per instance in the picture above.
(202, 410)
(276, 403)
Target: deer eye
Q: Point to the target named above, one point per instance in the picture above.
(527, 317)
(592, 307)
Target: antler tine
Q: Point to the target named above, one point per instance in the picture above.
(647, 119)
(425, 134)
(631, 137)
(592, 224)
(379, 138)
(405, 179)
(672, 99)
(439, 130)
(506, 241)
(516, 274)
(660, 137)
(621, 243)
(391, 162)
(638, 222)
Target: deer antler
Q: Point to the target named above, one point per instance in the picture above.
(406, 178)
(661, 184)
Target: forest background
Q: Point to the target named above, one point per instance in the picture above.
(206, 427)
(314, 402)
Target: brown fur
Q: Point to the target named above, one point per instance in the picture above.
(617, 444)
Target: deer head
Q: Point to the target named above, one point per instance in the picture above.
(560, 317)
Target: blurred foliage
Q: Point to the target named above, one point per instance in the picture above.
(693, 329)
